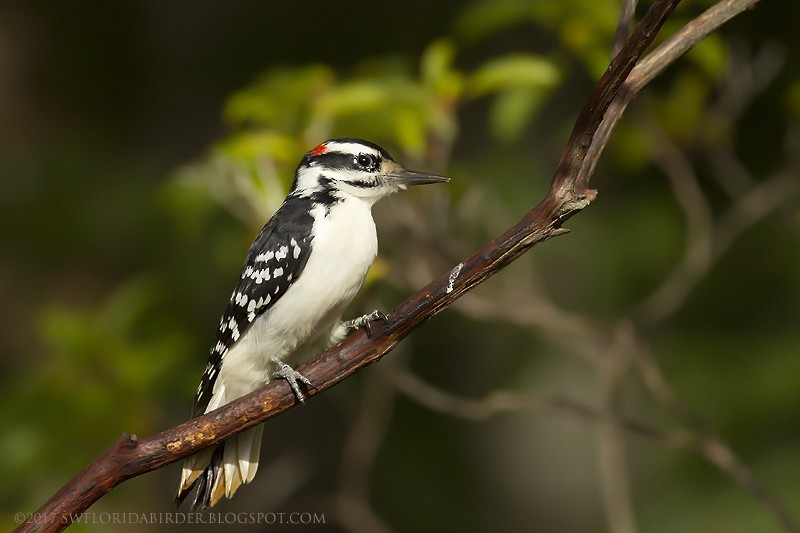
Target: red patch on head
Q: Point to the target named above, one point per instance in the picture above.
(319, 150)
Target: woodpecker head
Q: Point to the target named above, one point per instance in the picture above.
(352, 167)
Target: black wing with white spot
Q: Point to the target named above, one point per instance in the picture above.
(275, 261)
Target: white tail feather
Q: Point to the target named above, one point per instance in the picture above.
(230, 466)
(249, 452)
(239, 466)
(193, 466)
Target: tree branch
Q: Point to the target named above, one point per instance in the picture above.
(569, 193)
(655, 63)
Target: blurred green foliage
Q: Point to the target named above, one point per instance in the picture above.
(141, 151)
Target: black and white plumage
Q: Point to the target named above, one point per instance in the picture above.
(302, 270)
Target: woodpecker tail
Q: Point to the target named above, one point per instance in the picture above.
(219, 470)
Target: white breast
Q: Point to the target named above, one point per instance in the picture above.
(345, 245)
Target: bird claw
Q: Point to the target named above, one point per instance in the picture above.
(365, 321)
(292, 376)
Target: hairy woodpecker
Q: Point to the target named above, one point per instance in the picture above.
(302, 270)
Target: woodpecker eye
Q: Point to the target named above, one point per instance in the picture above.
(365, 161)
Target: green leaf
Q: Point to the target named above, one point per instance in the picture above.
(484, 18)
(513, 71)
(354, 97)
(437, 72)
(251, 145)
(278, 98)
(511, 111)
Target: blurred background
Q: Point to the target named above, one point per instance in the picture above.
(639, 373)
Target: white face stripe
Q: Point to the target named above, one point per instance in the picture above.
(351, 148)
(308, 178)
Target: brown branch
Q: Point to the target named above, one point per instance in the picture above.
(624, 24)
(655, 63)
(129, 457)
(572, 159)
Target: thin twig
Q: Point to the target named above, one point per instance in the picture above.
(359, 451)
(611, 439)
(709, 445)
(502, 402)
(751, 207)
(655, 63)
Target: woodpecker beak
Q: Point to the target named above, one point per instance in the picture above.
(403, 178)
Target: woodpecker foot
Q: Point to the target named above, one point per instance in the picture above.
(364, 321)
(293, 376)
